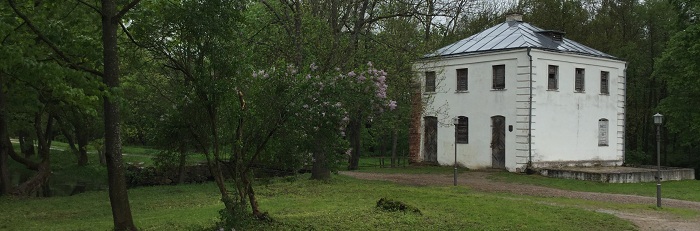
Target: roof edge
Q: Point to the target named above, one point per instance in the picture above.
(519, 48)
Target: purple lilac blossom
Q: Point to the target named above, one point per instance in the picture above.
(392, 104)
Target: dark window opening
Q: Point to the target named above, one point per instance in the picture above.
(553, 77)
(579, 81)
(499, 77)
(603, 132)
(429, 81)
(463, 130)
(604, 82)
(553, 34)
(462, 80)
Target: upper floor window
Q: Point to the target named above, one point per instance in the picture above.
(429, 81)
(579, 85)
(499, 77)
(553, 78)
(462, 79)
(604, 82)
(603, 132)
(463, 130)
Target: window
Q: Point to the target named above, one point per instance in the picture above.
(499, 77)
(604, 83)
(603, 132)
(429, 81)
(553, 78)
(579, 82)
(462, 80)
(463, 130)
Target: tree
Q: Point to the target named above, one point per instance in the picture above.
(194, 52)
(36, 91)
(5, 185)
(679, 67)
(111, 19)
(253, 114)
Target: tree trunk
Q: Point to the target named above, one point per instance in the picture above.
(182, 165)
(26, 144)
(102, 156)
(118, 195)
(319, 169)
(5, 185)
(35, 182)
(79, 151)
(382, 144)
(71, 141)
(429, 19)
(394, 142)
(355, 127)
(82, 140)
(5, 145)
(214, 165)
(46, 188)
(251, 196)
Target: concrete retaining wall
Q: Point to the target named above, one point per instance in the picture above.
(628, 175)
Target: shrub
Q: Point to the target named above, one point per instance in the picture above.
(395, 206)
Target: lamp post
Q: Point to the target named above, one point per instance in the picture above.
(455, 121)
(658, 120)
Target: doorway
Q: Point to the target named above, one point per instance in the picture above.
(430, 139)
(498, 142)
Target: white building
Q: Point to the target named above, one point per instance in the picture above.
(526, 97)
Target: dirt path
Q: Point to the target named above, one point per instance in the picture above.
(479, 181)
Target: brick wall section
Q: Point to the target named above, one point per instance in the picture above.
(414, 131)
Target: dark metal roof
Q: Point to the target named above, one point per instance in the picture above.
(515, 34)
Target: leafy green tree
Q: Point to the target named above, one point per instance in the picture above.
(37, 90)
(567, 16)
(679, 67)
(110, 18)
(201, 58)
(343, 34)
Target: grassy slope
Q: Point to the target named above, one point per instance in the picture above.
(683, 190)
(341, 204)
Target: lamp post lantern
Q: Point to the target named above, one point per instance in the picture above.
(658, 120)
(455, 121)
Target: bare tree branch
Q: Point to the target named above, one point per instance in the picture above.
(375, 19)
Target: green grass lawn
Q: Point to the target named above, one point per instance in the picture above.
(154, 208)
(300, 204)
(683, 190)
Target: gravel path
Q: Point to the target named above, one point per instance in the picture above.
(478, 181)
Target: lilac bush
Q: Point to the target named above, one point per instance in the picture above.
(318, 105)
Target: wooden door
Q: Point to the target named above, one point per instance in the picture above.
(430, 139)
(498, 142)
